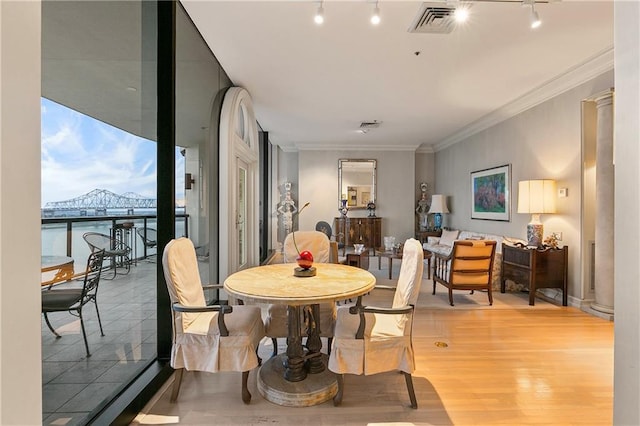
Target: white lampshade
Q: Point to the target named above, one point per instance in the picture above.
(438, 204)
(537, 196)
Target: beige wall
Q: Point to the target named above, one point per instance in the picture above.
(20, 345)
(396, 182)
(542, 142)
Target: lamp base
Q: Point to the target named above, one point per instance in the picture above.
(437, 220)
(534, 234)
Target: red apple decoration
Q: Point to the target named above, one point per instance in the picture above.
(305, 259)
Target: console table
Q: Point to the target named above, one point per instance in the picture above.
(538, 268)
(359, 230)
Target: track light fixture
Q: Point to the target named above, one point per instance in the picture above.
(319, 17)
(534, 18)
(375, 16)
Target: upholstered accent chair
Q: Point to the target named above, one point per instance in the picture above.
(370, 340)
(208, 338)
(276, 324)
(469, 266)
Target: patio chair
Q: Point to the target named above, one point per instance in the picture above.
(149, 238)
(276, 323)
(62, 298)
(116, 250)
(208, 338)
(370, 340)
(468, 267)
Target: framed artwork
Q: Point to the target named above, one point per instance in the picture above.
(491, 193)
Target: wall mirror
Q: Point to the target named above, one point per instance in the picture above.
(356, 183)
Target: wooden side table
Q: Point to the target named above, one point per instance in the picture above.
(391, 255)
(537, 268)
(423, 235)
(359, 260)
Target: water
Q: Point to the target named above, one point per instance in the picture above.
(54, 238)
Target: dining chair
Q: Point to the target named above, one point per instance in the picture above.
(209, 338)
(116, 250)
(276, 324)
(370, 340)
(64, 298)
(469, 266)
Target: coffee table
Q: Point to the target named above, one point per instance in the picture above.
(398, 255)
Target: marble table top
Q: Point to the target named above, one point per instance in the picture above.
(277, 284)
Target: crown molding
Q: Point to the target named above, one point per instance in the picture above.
(591, 68)
(346, 147)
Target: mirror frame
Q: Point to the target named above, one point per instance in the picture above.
(374, 195)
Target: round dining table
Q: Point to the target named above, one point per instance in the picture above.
(63, 265)
(298, 377)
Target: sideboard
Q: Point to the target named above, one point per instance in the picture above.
(359, 230)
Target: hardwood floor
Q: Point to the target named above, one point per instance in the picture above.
(506, 365)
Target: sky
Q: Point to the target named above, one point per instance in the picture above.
(80, 154)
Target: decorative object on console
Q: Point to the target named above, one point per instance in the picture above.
(343, 208)
(438, 206)
(286, 209)
(536, 197)
(371, 206)
(423, 208)
(491, 193)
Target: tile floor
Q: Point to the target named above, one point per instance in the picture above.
(74, 387)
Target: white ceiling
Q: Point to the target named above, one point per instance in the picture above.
(312, 85)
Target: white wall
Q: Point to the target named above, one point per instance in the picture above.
(20, 338)
(542, 142)
(395, 191)
(626, 410)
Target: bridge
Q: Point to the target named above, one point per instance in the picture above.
(99, 200)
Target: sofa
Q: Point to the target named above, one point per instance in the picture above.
(444, 244)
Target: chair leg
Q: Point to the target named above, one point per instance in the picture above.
(337, 400)
(177, 381)
(450, 296)
(434, 286)
(84, 333)
(46, 319)
(329, 343)
(274, 341)
(412, 393)
(246, 396)
(112, 265)
(99, 320)
(490, 296)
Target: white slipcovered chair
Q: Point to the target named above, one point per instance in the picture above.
(276, 324)
(207, 338)
(370, 340)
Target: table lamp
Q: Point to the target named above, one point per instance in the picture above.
(438, 206)
(536, 197)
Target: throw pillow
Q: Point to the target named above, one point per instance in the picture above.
(448, 237)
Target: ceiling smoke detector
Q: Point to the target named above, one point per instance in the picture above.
(434, 18)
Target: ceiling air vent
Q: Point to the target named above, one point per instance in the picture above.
(365, 126)
(370, 124)
(434, 18)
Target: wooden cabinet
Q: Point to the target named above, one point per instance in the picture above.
(359, 230)
(536, 268)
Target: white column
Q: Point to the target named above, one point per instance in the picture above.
(626, 380)
(20, 241)
(605, 189)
